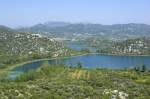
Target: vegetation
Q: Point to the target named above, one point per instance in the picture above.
(138, 46)
(16, 47)
(61, 82)
(134, 46)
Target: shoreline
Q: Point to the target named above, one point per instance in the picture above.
(9, 68)
(120, 54)
(12, 66)
(35, 60)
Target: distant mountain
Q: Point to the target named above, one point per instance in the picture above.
(46, 27)
(56, 24)
(116, 30)
(6, 29)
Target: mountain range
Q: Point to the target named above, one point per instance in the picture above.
(131, 30)
(116, 30)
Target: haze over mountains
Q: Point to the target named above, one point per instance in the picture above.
(65, 29)
(122, 30)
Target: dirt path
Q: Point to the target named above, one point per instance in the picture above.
(88, 75)
(77, 74)
(73, 74)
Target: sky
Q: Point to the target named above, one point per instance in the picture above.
(16, 13)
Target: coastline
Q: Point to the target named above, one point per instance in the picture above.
(5, 71)
(9, 68)
(120, 54)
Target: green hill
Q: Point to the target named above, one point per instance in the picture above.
(17, 47)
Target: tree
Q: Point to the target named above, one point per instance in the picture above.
(86, 50)
(79, 65)
(143, 68)
(36, 56)
(137, 69)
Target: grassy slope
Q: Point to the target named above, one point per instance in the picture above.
(59, 82)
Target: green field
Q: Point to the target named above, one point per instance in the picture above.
(61, 82)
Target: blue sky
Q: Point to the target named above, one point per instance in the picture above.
(29, 12)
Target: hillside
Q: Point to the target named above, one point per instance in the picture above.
(134, 46)
(16, 46)
(137, 46)
(61, 82)
(4, 29)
